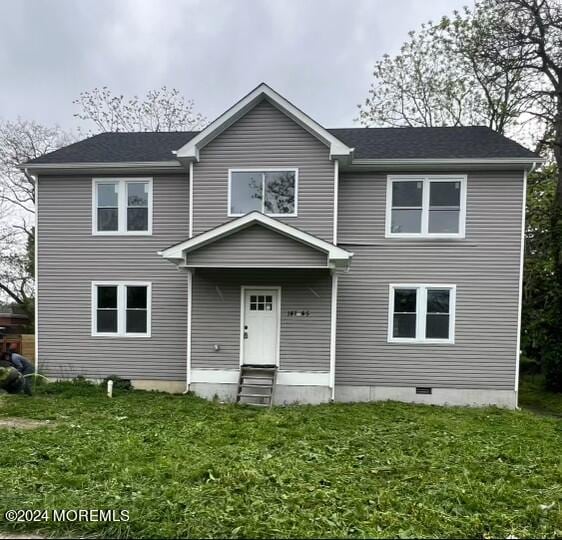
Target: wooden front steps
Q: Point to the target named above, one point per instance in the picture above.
(256, 385)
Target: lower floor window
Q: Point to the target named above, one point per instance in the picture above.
(422, 313)
(121, 309)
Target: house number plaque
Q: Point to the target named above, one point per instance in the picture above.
(301, 313)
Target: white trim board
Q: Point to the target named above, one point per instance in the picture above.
(189, 340)
(177, 253)
(36, 270)
(447, 164)
(333, 330)
(289, 378)
(190, 151)
(520, 284)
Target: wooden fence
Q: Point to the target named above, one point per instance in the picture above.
(25, 344)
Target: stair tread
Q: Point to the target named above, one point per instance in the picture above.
(252, 378)
(260, 365)
(257, 404)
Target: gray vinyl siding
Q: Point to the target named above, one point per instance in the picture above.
(305, 341)
(266, 137)
(257, 246)
(484, 267)
(70, 258)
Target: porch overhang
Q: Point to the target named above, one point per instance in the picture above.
(330, 257)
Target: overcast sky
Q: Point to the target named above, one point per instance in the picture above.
(317, 53)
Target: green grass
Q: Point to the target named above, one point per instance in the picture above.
(533, 396)
(184, 467)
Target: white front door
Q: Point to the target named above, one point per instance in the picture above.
(260, 327)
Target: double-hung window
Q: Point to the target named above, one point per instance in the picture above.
(122, 206)
(270, 191)
(426, 206)
(422, 313)
(121, 309)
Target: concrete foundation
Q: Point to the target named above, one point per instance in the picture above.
(284, 395)
(315, 394)
(170, 387)
(440, 396)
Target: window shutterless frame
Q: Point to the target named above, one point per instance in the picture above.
(421, 313)
(264, 171)
(122, 203)
(427, 180)
(121, 308)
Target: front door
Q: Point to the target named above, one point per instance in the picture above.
(260, 327)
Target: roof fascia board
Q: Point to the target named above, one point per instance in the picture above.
(444, 163)
(190, 150)
(177, 251)
(128, 166)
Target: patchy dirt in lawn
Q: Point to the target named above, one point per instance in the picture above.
(6, 536)
(24, 423)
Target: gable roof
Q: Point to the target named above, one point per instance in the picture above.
(355, 146)
(369, 143)
(337, 256)
(190, 151)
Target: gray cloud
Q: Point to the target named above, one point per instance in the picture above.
(318, 53)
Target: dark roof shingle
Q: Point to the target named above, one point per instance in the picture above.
(369, 143)
(120, 147)
(430, 143)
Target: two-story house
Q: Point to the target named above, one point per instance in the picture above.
(350, 264)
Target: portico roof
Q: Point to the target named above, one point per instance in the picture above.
(336, 257)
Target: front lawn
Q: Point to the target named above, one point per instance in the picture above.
(184, 467)
(532, 396)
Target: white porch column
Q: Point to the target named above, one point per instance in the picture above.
(333, 326)
(189, 304)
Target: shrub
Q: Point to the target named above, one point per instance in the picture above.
(552, 367)
(119, 383)
(529, 366)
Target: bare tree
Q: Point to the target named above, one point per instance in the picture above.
(20, 141)
(528, 33)
(437, 80)
(160, 110)
(16, 269)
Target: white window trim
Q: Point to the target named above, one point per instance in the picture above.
(426, 179)
(421, 312)
(122, 308)
(122, 206)
(264, 170)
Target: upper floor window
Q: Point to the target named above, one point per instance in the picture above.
(122, 206)
(270, 191)
(426, 206)
(422, 313)
(121, 309)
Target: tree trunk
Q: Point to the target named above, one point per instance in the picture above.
(557, 225)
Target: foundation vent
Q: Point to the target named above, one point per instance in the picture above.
(423, 390)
